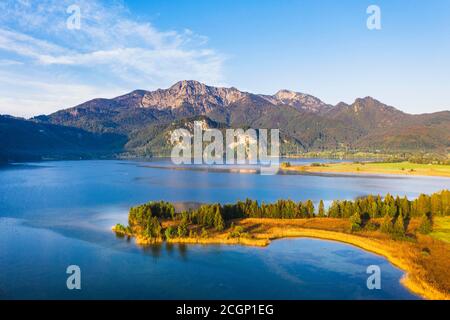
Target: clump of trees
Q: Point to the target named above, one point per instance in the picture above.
(209, 216)
(438, 204)
(430, 158)
(145, 220)
(139, 216)
(282, 209)
(419, 158)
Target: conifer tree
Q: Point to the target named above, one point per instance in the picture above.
(436, 205)
(182, 229)
(355, 220)
(309, 208)
(399, 226)
(321, 213)
(426, 225)
(219, 224)
(386, 225)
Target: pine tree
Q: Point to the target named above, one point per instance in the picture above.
(386, 225)
(347, 209)
(309, 208)
(445, 200)
(321, 209)
(436, 205)
(423, 205)
(355, 220)
(373, 210)
(399, 226)
(182, 229)
(153, 228)
(426, 225)
(405, 207)
(219, 224)
(334, 210)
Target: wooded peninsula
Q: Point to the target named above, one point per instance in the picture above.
(412, 234)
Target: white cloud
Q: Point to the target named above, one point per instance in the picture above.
(9, 62)
(111, 50)
(25, 97)
(26, 46)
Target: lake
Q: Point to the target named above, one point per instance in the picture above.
(56, 214)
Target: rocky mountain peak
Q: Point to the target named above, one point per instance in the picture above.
(288, 94)
(189, 87)
(298, 100)
(367, 101)
(196, 94)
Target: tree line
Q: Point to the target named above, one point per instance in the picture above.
(395, 213)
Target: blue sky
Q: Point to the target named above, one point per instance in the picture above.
(319, 47)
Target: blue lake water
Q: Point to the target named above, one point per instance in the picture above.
(56, 214)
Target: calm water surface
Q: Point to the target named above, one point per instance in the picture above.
(55, 214)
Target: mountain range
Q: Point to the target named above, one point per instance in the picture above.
(137, 123)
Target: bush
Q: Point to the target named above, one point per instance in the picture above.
(182, 229)
(120, 230)
(371, 226)
(169, 233)
(285, 165)
(236, 232)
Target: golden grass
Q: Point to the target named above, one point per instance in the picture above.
(424, 259)
(399, 168)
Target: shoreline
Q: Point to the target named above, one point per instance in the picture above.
(336, 169)
(373, 169)
(413, 278)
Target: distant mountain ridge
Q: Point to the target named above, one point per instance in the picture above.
(308, 123)
(183, 99)
(24, 140)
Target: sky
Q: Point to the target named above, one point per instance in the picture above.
(322, 47)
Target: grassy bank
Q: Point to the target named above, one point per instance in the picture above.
(425, 259)
(398, 168)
